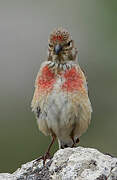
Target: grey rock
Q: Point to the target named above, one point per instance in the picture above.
(69, 164)
(7, 176)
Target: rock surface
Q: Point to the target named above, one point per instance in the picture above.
(69, 164)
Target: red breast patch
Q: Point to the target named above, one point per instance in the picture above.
(46, 80)
(73, 80)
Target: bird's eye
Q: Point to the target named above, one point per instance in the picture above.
(50, 45)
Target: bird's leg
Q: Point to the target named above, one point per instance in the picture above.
(72, 137)
(77, 140)
(73, 142)
(47, 153)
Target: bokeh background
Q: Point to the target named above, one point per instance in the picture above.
(24, 29)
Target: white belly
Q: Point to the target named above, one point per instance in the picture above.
(60, 113)
(57, 114)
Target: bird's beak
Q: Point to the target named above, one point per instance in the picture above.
(57, 48)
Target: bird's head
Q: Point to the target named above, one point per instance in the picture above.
(61, 46)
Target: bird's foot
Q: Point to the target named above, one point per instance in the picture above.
(75, 142)
(47, 154)
(44, 158)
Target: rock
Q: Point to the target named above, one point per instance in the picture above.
(69, 164)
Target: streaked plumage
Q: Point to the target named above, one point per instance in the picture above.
(60, 101)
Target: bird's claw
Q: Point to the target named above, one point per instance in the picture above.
(44, 158)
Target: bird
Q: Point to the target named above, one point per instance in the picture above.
(61, 103)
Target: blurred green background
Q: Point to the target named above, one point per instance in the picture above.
(24, 29)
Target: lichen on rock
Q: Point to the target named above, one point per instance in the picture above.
(69, 164)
